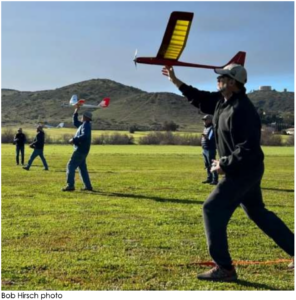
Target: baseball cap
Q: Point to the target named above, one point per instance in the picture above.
(235, 71)
(88, 115)
(208, 117)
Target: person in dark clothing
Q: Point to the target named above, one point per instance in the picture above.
(38, 146)
(20, 140)
(81, 142)
(209, 149)
(237, 129)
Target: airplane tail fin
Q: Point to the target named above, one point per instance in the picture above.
(104, 103)
(239, 59)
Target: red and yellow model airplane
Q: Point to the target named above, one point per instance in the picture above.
(174, 42)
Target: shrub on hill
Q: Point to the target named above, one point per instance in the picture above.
(7, 136)
(167, 138)
(113, 139)
(270, 139)
(65, 138)
(170, 126)
(290, 141)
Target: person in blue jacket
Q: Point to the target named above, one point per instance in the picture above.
(81, 142)
(209, 149)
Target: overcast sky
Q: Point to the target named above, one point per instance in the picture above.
(46, 45)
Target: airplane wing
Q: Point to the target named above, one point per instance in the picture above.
(174, 42)
(175, 37)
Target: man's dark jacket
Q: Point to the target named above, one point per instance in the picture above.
(82, 138)
(38, 142)
(237, 128)
(20, 139)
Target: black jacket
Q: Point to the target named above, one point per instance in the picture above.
(19, 139)
(237, 128)
(38, 142)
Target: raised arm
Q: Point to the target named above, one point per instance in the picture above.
(76, 122)
(205, 101)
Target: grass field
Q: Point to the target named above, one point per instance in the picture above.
(141, 229)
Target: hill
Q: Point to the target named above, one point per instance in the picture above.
(272, 101)
(129, 106)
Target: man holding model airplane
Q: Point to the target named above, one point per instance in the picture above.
(81, 142)
(237, 129)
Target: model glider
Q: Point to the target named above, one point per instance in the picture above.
(74, 101)
(174, 42)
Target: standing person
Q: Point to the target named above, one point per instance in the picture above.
(38, 146)
(20, 140)
(237, 129)
(209, 149)
(81, 142)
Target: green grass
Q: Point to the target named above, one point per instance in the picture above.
(141, 230)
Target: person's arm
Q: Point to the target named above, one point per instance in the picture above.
(15, 139)
(211, 135)
(76, 122)
(245, 132)
(85, 134)
(33, 144)
(205, 101)
(39, 140)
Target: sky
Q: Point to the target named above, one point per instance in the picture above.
(47, 45)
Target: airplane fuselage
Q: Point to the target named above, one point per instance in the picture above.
(170, 62)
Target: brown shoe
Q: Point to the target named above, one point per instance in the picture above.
(218, 274)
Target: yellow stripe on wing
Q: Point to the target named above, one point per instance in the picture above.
(178, 40)
(175, 36)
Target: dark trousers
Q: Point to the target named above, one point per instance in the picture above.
(20, 149)
(35, 153)
(78, 160)
(208, 156)
(231, 192)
